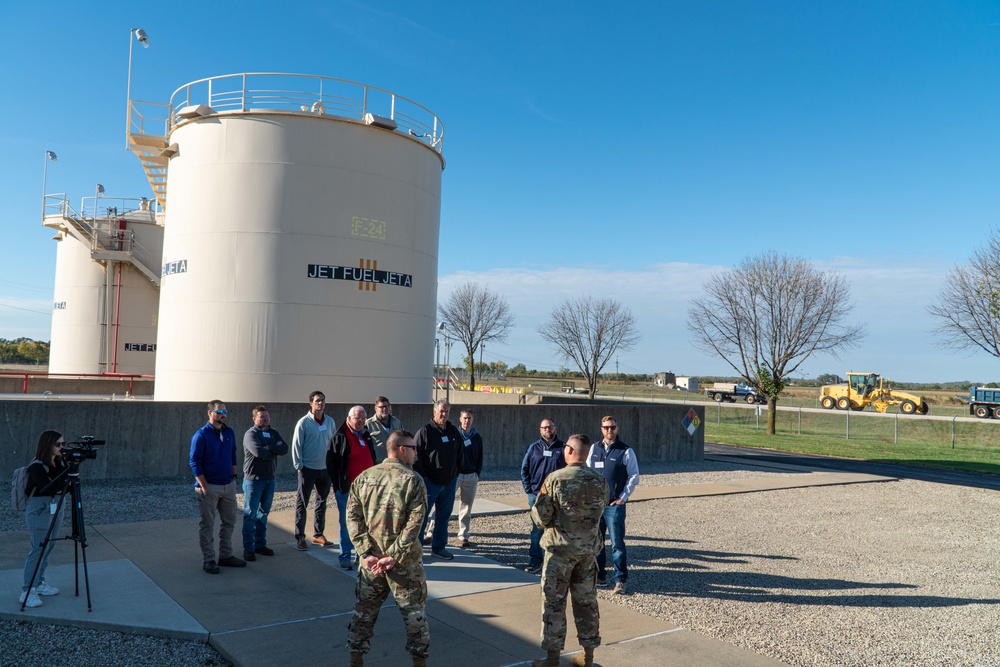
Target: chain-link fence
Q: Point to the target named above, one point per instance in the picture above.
(871, 426)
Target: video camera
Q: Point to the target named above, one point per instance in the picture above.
(81, 450)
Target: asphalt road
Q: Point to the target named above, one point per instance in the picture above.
(954, 477)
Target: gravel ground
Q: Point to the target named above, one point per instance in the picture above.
(900, 573)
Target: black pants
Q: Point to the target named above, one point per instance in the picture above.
(308, 479)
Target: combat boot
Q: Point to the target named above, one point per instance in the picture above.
(585, 659)
(357, 659)
(552, 660)
(419, 661)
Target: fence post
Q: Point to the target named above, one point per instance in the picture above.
(718, 420)
(757, 410)
(895, 435)
(847, 420)
(800, 420)
(953, 431)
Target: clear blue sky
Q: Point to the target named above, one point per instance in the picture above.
(617, 149)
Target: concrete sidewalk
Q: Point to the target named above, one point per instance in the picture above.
(295, 606)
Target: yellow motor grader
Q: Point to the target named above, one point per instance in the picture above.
(864, 389)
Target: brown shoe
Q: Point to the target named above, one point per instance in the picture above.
(301, 545)
(551, 660)
(465, 544)
(419, 661)
(585, 659)
(357, 659)
(322, 541)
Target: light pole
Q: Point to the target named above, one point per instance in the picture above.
(49, 155)
(142, 38)
(440, 330)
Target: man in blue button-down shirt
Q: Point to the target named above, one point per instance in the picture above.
(213, 462)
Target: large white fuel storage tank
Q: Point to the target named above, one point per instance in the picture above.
(78, 301)
(105, 300)
(301, 242)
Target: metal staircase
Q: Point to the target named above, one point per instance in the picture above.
(150, 151)
(106, 244)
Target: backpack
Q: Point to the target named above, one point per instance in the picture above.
(19, 480)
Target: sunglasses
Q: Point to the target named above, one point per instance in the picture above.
(609, 428)
(221, 412)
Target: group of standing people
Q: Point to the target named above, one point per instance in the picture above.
(384, 479)
(393, 490)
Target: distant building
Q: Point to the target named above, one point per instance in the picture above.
(688, 384)
(664, 379)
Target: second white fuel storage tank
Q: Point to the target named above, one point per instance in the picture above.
(301, 242)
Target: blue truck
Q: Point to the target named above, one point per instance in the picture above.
(734, 391)
(984, 402)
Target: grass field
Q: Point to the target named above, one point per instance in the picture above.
(948, 444)
(938, 444)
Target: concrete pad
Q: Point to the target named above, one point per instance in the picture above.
(294, 585)
(14, 548)
(468, 573)
(123, 599)
(678, 647)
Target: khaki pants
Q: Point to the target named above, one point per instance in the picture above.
(467, 484)
(222, 499)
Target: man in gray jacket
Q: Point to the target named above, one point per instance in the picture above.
(380, 425)
(262, 446)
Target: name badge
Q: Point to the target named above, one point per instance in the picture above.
(467, 442)
(323, 427)
(266, 434)
(444, 438)
(547, 452)
(598, 464)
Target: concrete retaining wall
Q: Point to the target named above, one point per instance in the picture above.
(152, 439)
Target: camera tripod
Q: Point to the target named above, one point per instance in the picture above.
(71, 488)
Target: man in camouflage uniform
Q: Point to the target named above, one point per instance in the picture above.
(569, 507)
(385, 510)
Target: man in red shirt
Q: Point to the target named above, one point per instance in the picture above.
(351, 453)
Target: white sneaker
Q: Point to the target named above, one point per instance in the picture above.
(45, 589)
(33, 599)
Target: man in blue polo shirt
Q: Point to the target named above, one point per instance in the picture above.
(542, 457)
(618, 463)
(213, 462)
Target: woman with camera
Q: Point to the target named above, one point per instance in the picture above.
(45, 484)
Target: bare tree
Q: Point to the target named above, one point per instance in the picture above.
(590, 331)
(474, 315)
(968, 307)
(768, 315)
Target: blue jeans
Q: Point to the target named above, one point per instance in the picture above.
(257, 497)
(346, 548)
(440, 501)
(535, 553)
(613, 522)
